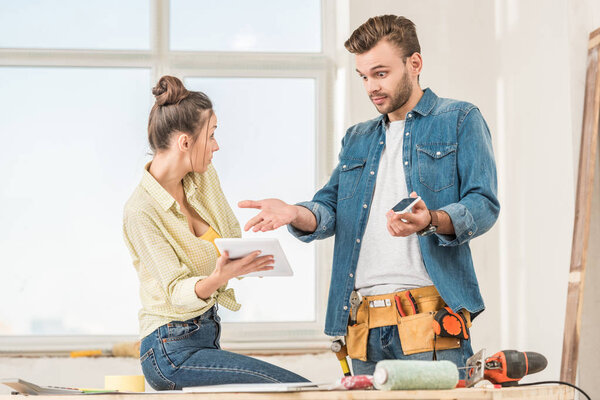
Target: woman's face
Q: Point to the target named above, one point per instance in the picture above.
(205, 145)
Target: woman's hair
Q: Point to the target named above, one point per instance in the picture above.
(175, 109)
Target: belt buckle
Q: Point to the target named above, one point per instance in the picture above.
(380, 303)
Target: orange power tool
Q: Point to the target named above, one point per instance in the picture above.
(505, 368)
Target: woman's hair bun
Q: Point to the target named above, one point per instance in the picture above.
(169, 90)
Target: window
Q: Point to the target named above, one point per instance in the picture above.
(76, 97)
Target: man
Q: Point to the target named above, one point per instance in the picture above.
(405, 267)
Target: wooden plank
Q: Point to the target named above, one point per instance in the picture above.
(583, 203)
(543, 392)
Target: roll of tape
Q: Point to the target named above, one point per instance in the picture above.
(125, 383)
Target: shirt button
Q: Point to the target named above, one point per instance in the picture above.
(372, 172)
(357, 240)
(438, 153)
(405, 162)
(364, 206)
(470, 233)
(351, 275)
(408, 115)
(324, 228)
(381, 142)
(345, 308)
(343, 166)
(407, 133)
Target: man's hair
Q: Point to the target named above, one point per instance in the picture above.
(397, 30)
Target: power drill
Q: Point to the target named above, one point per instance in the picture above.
(505, 368)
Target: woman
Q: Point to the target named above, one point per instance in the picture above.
(170, 223)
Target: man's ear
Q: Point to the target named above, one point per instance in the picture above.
(415, 61)
(184, 142)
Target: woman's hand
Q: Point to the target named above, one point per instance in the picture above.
(274, 214)
(227, 269)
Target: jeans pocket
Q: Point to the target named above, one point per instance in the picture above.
(152, 373)
(350, 171)
(437, 165)
(179, 330)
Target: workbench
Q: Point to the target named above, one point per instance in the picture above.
(542, 392)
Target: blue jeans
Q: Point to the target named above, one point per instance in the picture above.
(188, 353)
(384, 344)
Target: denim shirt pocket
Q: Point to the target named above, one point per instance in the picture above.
(437, 165)
(350, 171)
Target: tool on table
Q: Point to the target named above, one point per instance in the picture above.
(356, 382)
(341, 352)
(355, 301)
(415, 375)
(505, 368)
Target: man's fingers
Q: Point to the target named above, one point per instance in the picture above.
(253, 221)
(250, 204)
(267, 227)
(259, 227)
(390, 214)
(408, 217)
(389, 228)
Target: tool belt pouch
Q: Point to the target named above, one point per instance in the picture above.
(416, 335)
(356, 341)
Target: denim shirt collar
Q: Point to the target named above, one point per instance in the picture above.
(423, 107)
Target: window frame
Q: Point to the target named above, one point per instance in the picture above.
(282, 337)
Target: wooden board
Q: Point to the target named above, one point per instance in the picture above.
(545, 392)
(583, 204)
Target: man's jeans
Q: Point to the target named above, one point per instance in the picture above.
(384, 344)
(188, 353)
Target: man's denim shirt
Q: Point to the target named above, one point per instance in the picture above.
(449, 162)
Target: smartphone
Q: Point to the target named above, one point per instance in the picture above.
(405, 205)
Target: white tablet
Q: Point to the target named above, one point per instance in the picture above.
(240, 247)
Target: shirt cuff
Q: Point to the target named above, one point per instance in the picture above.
(464, 225)
(323, 218)
(184, 296)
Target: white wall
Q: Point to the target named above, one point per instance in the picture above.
(522, 63)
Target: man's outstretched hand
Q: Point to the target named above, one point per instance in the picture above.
(274, 214)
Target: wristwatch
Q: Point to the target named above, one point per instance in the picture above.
(433, 225)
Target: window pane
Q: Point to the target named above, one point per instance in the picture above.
(266, 134)
(240, 25)
(73, 146)
(75, 24)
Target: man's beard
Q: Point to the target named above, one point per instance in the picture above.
(400, 97)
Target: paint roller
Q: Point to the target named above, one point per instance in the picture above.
(122, 349)
(415, 375)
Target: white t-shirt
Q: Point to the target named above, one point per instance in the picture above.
(388, 264)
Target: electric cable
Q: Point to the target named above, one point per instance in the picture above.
(556, 382)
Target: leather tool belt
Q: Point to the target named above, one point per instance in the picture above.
(412, 311)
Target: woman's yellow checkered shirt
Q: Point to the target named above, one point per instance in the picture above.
(168, 257)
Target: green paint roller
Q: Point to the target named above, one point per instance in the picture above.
(415, 375)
